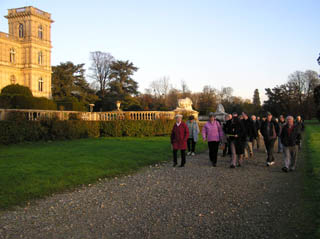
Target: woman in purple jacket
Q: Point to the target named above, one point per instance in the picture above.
(213, 133)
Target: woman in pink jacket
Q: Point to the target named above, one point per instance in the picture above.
(213, 133)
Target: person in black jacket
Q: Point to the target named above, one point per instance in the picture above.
(236, 134)
(289, 134)
(251, 135)
(256, 124)
(269, 131)
(282, 123)
(300, 124)
(227, 149)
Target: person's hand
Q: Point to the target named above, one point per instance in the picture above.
(236, 136)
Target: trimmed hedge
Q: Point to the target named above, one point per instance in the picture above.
(26, 102)
(16, 89)
(20, 130)
(136, 128)
(70, 104)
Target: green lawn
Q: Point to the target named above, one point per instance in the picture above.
(34, 170)
(312, 173)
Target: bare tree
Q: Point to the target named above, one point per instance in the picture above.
(225, 94)
(100, 67)
(185, 89)
(161, 87)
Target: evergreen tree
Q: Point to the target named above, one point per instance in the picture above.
(68, 81)
(256, 98)
(121, 81)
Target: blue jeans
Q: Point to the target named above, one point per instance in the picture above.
(280, 146)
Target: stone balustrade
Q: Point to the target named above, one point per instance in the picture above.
(89, 116)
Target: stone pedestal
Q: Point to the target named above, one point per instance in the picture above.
(187, 112)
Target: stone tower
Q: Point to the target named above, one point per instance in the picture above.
(25, 56)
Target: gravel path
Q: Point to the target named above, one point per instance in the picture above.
(197, 201)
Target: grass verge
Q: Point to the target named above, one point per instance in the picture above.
(312, 174)
(34, 170)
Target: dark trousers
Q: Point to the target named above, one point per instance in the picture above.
(213, 151)
(191, 145)
(183, 156)
(269, 143)
(227, 148)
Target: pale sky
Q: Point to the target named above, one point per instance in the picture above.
(244, 44)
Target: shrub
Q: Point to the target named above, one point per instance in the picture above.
(13, 132)
(5, 101)
(26, 102)
(136, 128)
(16, 89)
(42, 103)
(17, 116)
(21, 102)
(70, 104)
(134, 107)
(18, 129)
(318, 114)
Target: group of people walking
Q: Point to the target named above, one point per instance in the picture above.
(237, 136)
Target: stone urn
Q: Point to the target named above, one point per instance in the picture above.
(118, 103)
(91, 107)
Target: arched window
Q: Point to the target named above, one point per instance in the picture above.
(40, 32)
(40, 58)
(12, 55)
(40, 85)
(13, 79)
(21, 30)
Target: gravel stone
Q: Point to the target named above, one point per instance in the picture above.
(197, 201)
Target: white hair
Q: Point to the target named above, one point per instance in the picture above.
(290, 117)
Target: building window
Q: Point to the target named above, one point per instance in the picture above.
(40, 32)
(21, 31)
(13, 79)
(12, 55)
(40, 84)
(40, 58)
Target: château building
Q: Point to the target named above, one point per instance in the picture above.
(25, 52)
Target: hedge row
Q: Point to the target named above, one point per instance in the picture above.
(21, 130)
(26, 102)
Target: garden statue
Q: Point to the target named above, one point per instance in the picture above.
(185, 104)
(220, 113)
(185, 108)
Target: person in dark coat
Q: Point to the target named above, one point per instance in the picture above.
(282, 123)
(300, 124)
(256, 124)
(269, 131)
(236, 134)
(289, 134)
(227, 149)
(251, 135)
(179, 138)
